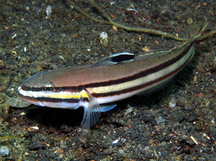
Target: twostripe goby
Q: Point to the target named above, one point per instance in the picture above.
(114, 78)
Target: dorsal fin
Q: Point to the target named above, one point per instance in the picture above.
(116, 59)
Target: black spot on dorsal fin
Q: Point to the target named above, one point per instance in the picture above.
(123, 57)
(116, 59)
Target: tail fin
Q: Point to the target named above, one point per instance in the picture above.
(197, 29)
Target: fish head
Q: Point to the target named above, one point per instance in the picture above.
(40, 90)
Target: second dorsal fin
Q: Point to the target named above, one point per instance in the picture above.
(117, 58)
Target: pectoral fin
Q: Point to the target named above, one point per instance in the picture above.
(92, 112)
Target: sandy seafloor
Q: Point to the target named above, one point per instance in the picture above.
(139, 128)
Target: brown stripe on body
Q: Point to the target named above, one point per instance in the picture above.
(141, 86)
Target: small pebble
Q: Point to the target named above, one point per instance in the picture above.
(48, 11)
(37, 146)
(172, 103)
(129, 110)
(189, 21)
(4, 151)
(177, 116)
(108, 151)
(160, 119)
(104, 39)
(192, 118)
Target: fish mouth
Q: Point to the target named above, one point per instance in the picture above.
(25, 95)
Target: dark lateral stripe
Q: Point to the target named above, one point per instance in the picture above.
(142, 86)
(46, 99)
(32, 99)
(56, 89)
(69, 100)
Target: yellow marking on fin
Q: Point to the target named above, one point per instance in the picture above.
(84, 94)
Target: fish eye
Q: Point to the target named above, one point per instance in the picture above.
(48, 88)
